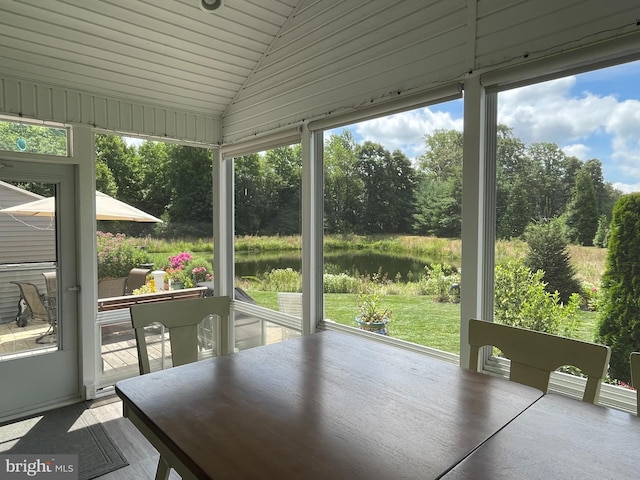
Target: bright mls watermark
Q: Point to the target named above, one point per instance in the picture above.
(51, 467)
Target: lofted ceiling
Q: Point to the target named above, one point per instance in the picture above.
(161, 52)
(166, 68)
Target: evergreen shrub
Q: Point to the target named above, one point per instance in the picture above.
(548, 252)
(619, 323)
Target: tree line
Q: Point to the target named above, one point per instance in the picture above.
(367, 188)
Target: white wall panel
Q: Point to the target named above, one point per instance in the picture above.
(523, 31)
(149, 120)
(73, 113)
(332, 57)
(58, 107)
(126, 116)
(11, 96)
(28, 99)
(318, 66)
(86, 110)
(44, 102)
(171, 125)
(100, 116)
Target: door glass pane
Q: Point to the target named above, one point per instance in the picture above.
(28, 262)
(26, 138)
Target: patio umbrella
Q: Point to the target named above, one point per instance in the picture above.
(107, 208)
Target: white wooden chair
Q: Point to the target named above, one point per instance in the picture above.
(635, 376)
(534, 355)
(182, 318)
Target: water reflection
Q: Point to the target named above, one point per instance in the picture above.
(396, 267)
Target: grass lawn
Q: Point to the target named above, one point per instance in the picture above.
(417, 319)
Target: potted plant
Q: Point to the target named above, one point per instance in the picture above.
(373, 317)
(178, 278)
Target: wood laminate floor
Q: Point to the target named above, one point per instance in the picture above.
(142, 457)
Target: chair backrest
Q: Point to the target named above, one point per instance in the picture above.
(51, 283)
(34, 300)
(111, 287)
(534, 355)
(290, 303)
(635, 376)
(137, 278)
(181, 317)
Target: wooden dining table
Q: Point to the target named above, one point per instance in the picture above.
(323, 406)
(558, 438)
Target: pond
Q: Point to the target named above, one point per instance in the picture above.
(358, 262)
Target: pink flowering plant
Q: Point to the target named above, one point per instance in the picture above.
(200, 274)
(188, 269)
(180, 261)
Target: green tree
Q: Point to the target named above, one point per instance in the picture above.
(619, 324)
(606, 194)
(155, 184)
(388, 190)
(190, 212)
(283, 176)
(439, 193)
(554, 179)
(343, 187)
(602, 232)
(517, 185)
(582, 210)
(249, 194)
(547, 251)
(105, 182)
(123, 163)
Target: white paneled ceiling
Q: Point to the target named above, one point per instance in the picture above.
(166, 68)
(167, 53)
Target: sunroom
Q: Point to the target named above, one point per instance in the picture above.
(250, 76)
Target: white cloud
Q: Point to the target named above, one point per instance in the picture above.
(547, 112)
(585, 125)
(627, 188)
(133, 141)
(577, 150)
(406, 131)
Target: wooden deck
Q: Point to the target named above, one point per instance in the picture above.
(119, 356)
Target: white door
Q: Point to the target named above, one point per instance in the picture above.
(38, 332)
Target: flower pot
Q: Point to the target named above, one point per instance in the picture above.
(375, 327)
(177, 285)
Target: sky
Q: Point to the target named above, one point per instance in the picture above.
(591, 115)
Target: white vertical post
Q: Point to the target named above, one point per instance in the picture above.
(223, 241)
(312, 230)
(478, 209)
(83, 154)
